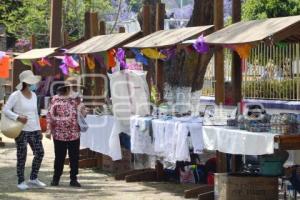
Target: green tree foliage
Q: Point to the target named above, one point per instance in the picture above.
(135, 5)
(74, 10)
(261, 9)
(31, 17)
(7, 6)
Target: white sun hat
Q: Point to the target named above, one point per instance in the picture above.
(27, 77)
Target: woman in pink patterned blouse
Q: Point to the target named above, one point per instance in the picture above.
(63, 124)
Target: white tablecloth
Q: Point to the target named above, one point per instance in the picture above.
(234, 141)
(170, 137)
(141, 140)
(98, 135)
(102, 135)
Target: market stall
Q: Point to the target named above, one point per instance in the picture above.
(165, 137)
(269, 31)
(252, 132)
(28, 60)
(98, 55)
(104, 52)
(109, 42)
(157, 43)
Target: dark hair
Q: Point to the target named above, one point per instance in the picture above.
(24, 85)
(62, 90)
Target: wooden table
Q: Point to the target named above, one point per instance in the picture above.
(287, 142)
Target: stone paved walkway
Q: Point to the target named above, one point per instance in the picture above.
(95, 185)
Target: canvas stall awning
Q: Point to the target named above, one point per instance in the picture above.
(251, 32)
(171, 37)
(102, 43)
(36, 54)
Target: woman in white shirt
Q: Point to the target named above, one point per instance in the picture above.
(22, 106)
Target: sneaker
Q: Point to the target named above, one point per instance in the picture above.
(75, 184)
(36, 183)
(54, 183)
(23, 186)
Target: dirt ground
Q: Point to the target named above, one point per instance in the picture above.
(95, 185)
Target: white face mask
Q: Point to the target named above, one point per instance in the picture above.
(74, 94)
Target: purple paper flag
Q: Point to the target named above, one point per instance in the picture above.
(64, 68)
(170, 53)
(121, 57)
(200, 46)
(70, 62)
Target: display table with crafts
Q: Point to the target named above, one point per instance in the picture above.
(170, 138)
(172, 142)
(235, 141)
(265, 137)
(255, 132)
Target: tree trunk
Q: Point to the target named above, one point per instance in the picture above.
(202, 15)
(188, 69)
(152, 4)
(56, 23)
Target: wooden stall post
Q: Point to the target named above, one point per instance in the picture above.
(91, 24)
(146, 20)
(94, 28)
(219, 73)
(146, 27)
(146, 174)
(33, 41)
(66, 38)
(122, 29)
(236, 74)
(159, 75)
(91, 29)
(87, 24)
(56, 23)
(236, 61)
(159, 67)
(102, 28)
(219, 54)
(87, 35)
(91, 21)
(102, 31)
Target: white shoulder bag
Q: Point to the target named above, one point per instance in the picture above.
(9, 127)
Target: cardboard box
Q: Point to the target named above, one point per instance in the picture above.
(234, 187)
